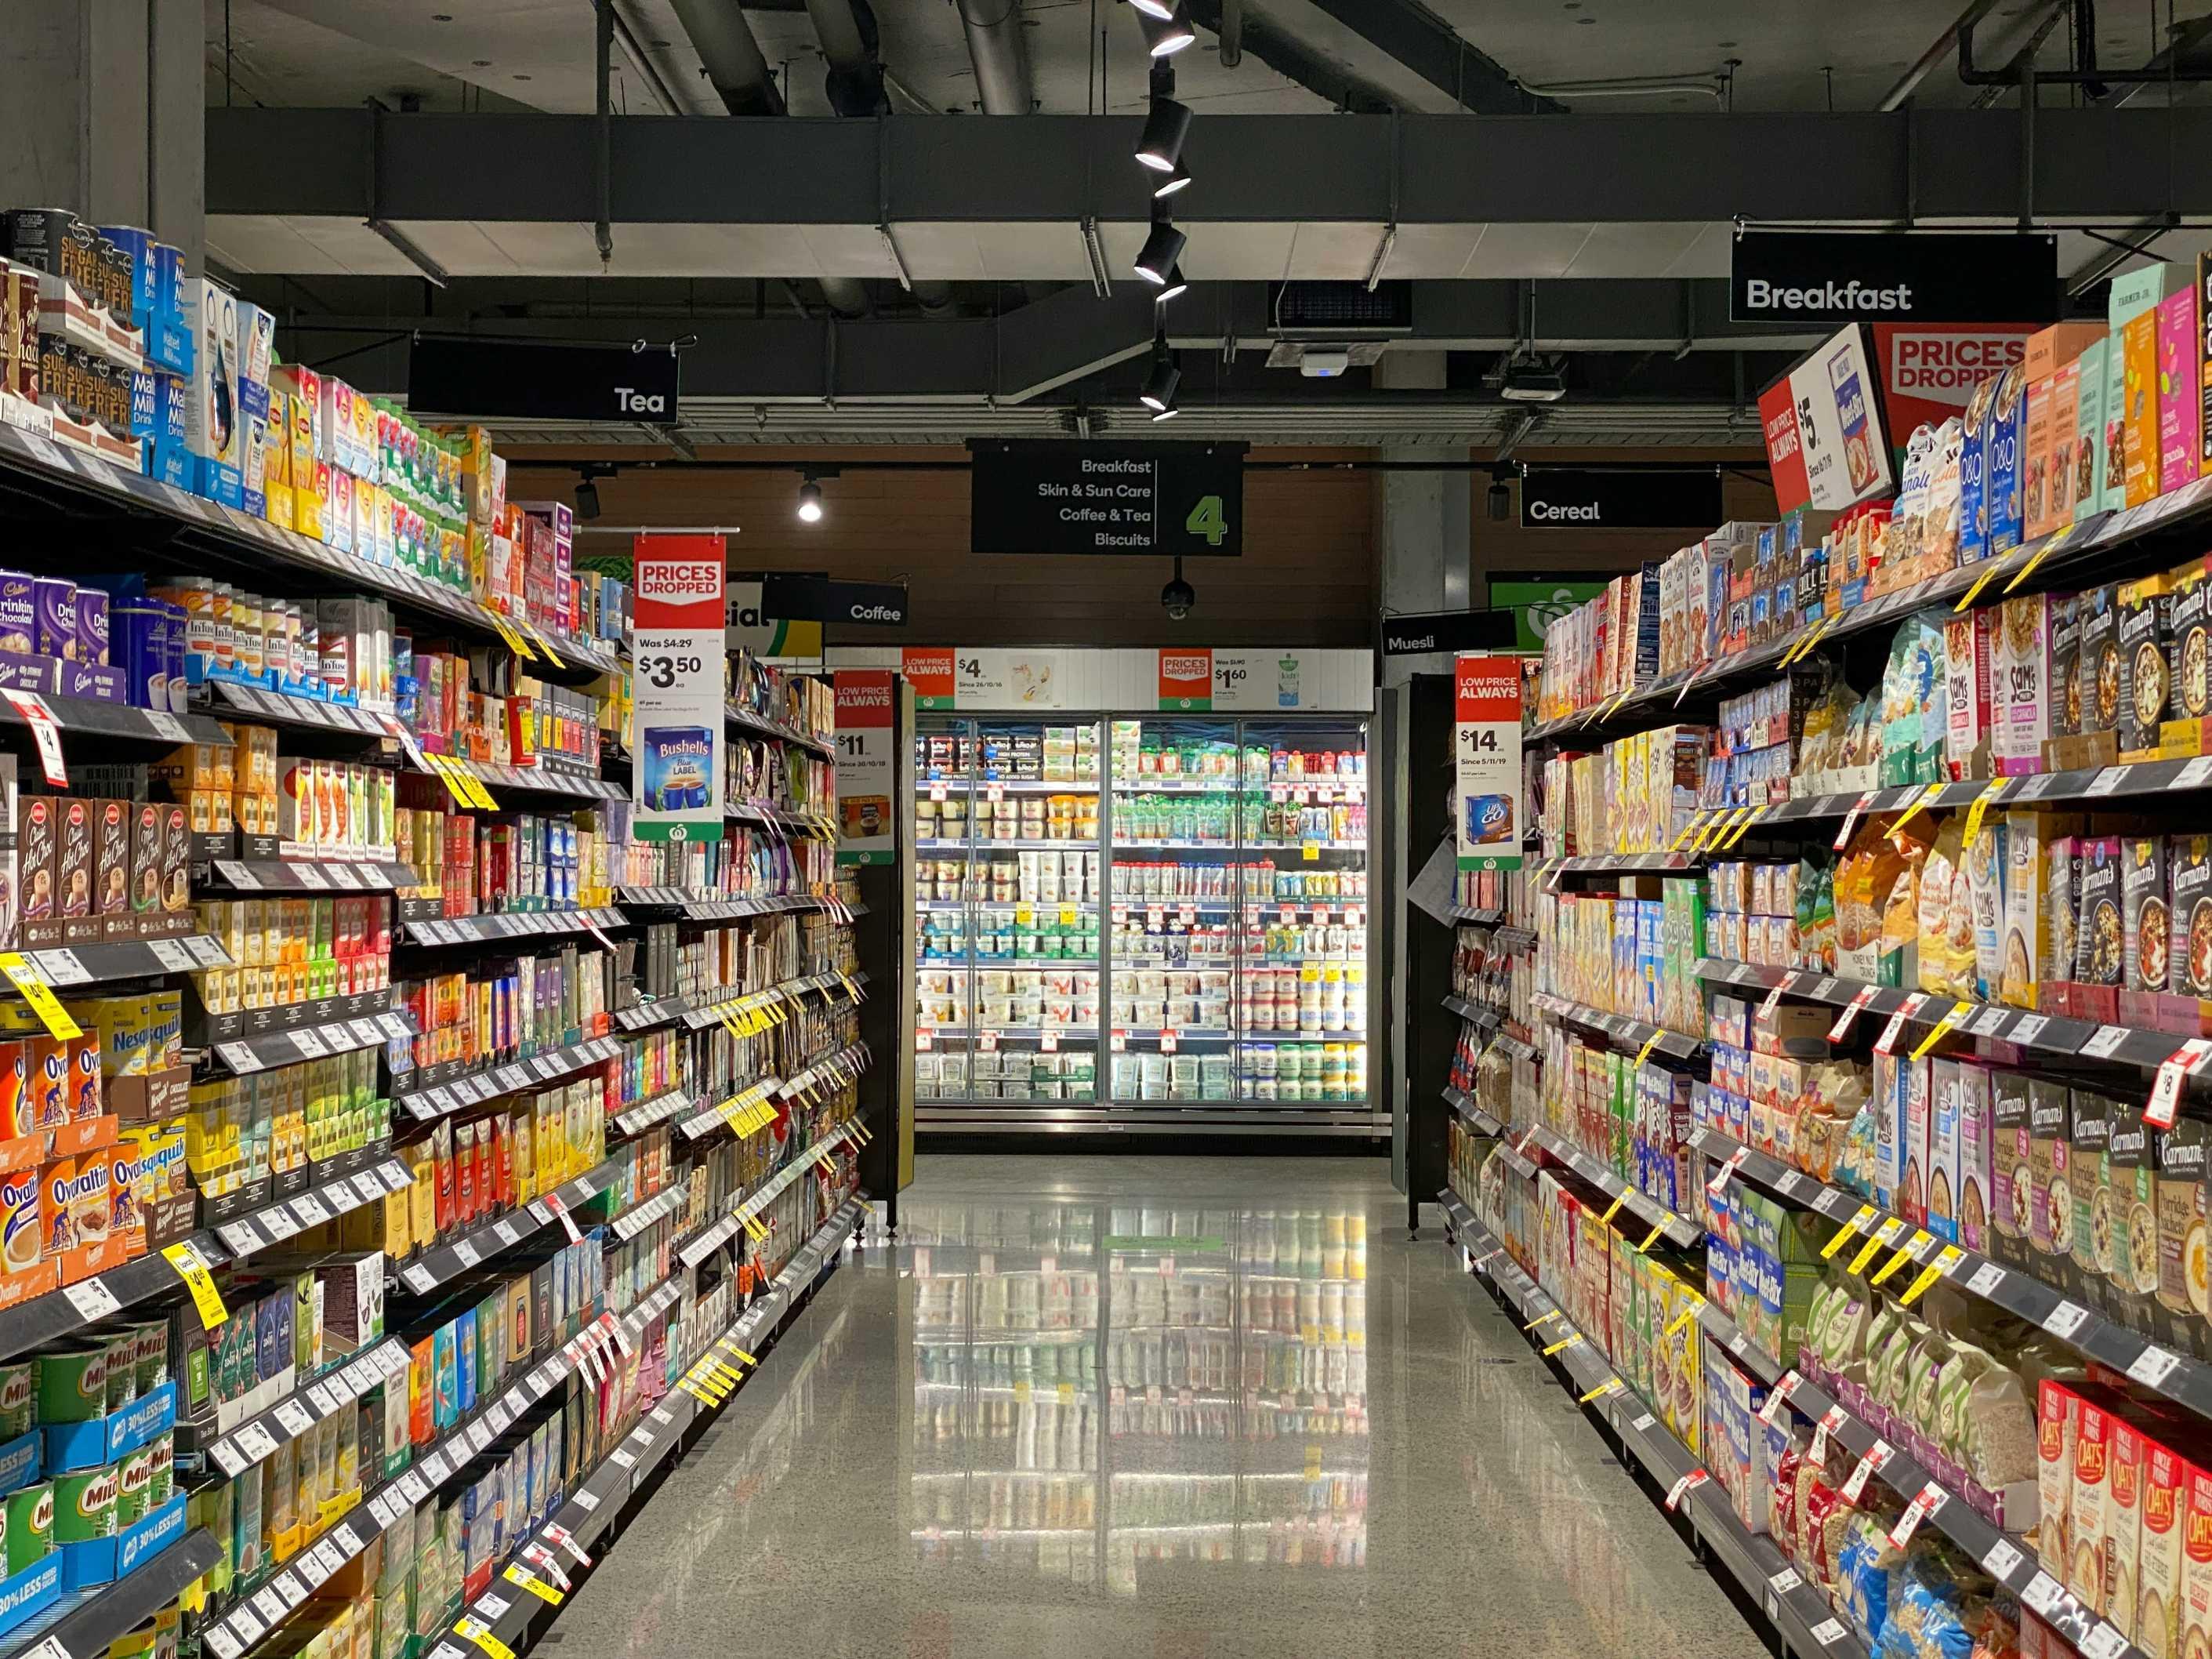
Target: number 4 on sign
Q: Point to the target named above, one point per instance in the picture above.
(1208, 521)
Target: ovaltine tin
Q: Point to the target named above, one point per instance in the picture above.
(15, 1113)
(91, 625)
(47, 1074)
(679, 764)
(23, 1228)
(36, 236)
(173, 656)
(53, 617)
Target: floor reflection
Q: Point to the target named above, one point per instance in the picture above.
(1100, 1391)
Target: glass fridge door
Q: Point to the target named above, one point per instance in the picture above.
(1171, 1002)
(1302, 957)
(1024, 973)
(944, 978)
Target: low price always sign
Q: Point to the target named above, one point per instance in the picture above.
(1486, 816)
(677, 756)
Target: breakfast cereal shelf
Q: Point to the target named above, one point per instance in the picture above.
(1618, 864)
(1676, 1229)
(2044, 1034)
(497, 929)
(287, 875)
(434, 1091)
(35, 466)
(90, 1621)
(541, 779)
(2093, 548)
(241, 1056)
(1475, 1014)
(2181, 1379)
(1799, 1612)
(1675, 1045)
(512, 1616)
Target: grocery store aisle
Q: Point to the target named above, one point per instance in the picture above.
(1098, 1406)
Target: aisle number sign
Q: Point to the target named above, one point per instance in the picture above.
(1487, 823)
(677, 769)
(865, 763)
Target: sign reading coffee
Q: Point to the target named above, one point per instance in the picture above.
(818, 598)
(1040, 497)
(1837, 277)
(1593, 498)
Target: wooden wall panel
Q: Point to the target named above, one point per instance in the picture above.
(1306, 576)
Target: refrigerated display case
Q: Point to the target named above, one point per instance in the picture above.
(1224, 980)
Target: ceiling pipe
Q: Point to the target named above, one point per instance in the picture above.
(731, 58)
(999, 54)
(1938, 50)
(847, 30)
(2011, 73)
(633, 49)
(1715, 86)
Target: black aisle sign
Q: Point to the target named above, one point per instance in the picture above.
(1592, 498)
(528, 379)
(1910, 276)
(818, 598)
(1418, 633)
(1038, 496)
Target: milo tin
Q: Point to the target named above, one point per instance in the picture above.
(161, 1485)
(84, 1504)
(30, 1525)
(19, 1398)
(122, 1369)
(150, 1354)
(72, 1383)
(134, 1479)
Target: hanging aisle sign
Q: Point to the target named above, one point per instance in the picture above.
(865, 733)
(676, 751)
(1046, 495)
(1486, 819)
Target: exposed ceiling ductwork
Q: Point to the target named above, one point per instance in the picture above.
(995, 46)
(739, 73)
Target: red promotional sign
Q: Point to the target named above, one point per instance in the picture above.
(1785, 455)
(1928, 371)
(679, 582)
(929, 671)
(1186, 679)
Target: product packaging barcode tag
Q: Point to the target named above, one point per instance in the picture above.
(1877, 1459)
(1886, 1042)
(1687, 1485)
(1844, 1021)
(2173, 1071)
(1776, 1396)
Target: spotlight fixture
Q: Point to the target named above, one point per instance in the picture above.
(1162, 9)
(1161, 250)
(1500, 498)
(587, 500)
(1534, 381)
(1178, 179)
(1167, 414)
(1165, 36)
(1174, 285)
(810, 502)
(1160, 385)
(1160, 147)
(1178, 598)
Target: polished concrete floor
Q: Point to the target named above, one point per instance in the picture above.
(1152, 1408)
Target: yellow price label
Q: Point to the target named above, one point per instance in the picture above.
(1713, 840)
(1696, 824)
(1905, 1254)
(1067, 1393)
(1021, 1394)
(1925, 798)
(1652, 1238)
(1541, 1319)
(1990, 568)
(441, 767)
(515, 642)
(1949, 1257)
(743, 1355)
(852, 991)
(728, 1376)
(1610, 1385)
(1866, 1255)
(2042, 553)
(545, 647)
(1950, 1022)
(1866, 1213)
(696, 1392)
(32, 984)
(754, 1229)
(480, 1633)
(1312, 851)
(1644, 1053)
(1613, 1209)
(1981, 805)
(530, 1581)
(1685, 1316)
(1744, 829)
(199, 1281)
(1562, 1343)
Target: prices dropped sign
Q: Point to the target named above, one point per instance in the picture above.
(1487, 809)
(677, 748)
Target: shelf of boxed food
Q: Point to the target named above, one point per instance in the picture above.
(252, 1619)
(498, 927)
(328, 1197)
(222, 699)
(243, 1055)
(1513, 940)
(67, 967)
(496, 1619)
(1479, 918)
(1481, 1121)
(203, 1030)
(1799, 1609)
(2047, 1034)
(92, 1622)
(2005, 1553)
(448, 1261)
(453, 1085)
(747, 720)
(34, 459)
(1677, 1229)
(310, 875)
(746, 1206)
(698, 907)
(1475, 1014)
(26, 694)
(744, 1114)
(651, 1113)
(546, 778)
(814, 824)
(256, 1428)
(2178, 1377)
(1675, 1045)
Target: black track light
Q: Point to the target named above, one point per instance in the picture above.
(1160, 384)
(1175, 285)
(1162, 9)
(1160, 148)
(1163, 247)
(587, 500)
(1167, 414)
(1177, 180)
(1165, 36)
(810, 502)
